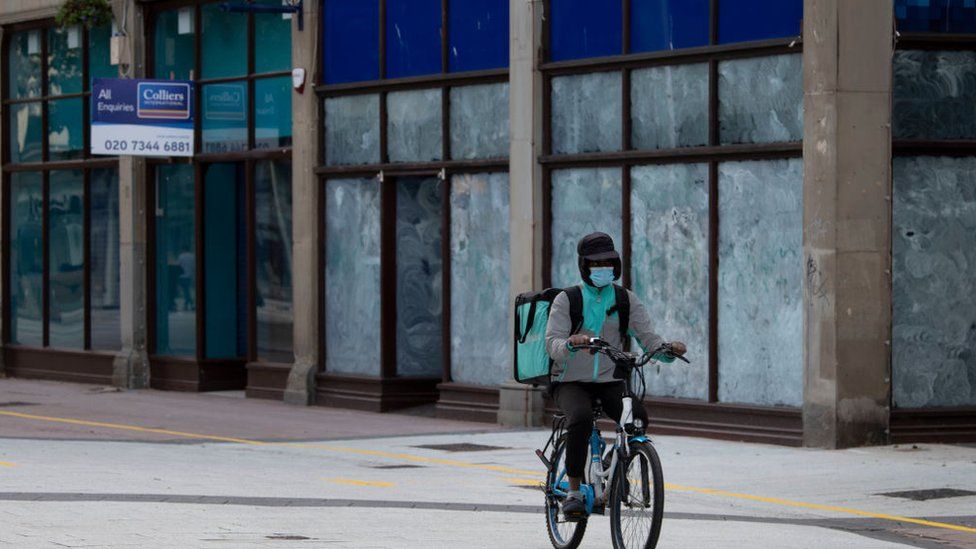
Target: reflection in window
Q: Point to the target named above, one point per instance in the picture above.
(26, 259)
(761, 99)
(66, 256)
(586, 113)
(104, 259)
(583, 201)
(175, 45)
(273, 261)
(352, 275)
(99, 50)
(64, 129)
(24, 64)
(272, 113)
(64, 60)
(25, 132)
(224, 127)
(223, 42)
(175, 261)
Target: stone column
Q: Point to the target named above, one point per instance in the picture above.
(521, 405)
(300, 388)
(131, 364)
(847, 53)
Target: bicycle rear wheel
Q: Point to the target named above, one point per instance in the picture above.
(562, 534)
(637, 500)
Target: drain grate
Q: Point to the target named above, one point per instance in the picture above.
(462, 447)
(932, 493)
(16, 403)
(397, 466)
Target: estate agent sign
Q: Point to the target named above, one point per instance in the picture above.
(142, 117)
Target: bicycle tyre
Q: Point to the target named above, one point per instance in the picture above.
(571, 534)
(649, 474)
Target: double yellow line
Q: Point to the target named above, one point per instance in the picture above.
(483, 467)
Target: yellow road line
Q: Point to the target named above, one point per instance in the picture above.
(7, 464)
(819, 507)
(354, 482)
(524, 481)
(483, 467)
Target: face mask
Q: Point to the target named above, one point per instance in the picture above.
(601, 276)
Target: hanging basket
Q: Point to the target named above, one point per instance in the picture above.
(86, 13)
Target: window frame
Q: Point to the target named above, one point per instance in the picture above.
(712, 154)
(85, 164)
(249, 157)
(388, 172)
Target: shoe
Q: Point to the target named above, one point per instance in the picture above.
(574, 509)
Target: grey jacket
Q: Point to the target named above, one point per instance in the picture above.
(580, 365)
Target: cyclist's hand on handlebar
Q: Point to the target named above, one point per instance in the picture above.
(678, 348)
(578, 340)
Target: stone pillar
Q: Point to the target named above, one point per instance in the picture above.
(520, 405)
(300, 388)
(847, 53)
(131, 364)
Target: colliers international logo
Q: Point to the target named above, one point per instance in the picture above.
(163, 101)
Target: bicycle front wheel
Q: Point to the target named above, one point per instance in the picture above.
(637, 500)
(562, 533)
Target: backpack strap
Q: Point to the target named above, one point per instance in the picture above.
(528, 323)
(622, 308)
(575, 295)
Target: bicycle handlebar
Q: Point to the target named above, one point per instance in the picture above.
(598, 345)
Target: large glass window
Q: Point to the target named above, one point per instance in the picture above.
(414, 42)
(225, 260)
(583, 201)
(273, 261)
(64, 249)
(934, 94)
(176, 257)
(945, 16)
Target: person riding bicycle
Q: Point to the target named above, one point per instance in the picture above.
(579, 378)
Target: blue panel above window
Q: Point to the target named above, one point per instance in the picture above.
(668, 24)
(951, 16)
(413, 37)
(748, 20)
(351, 40)
(478, 35)
(584, 28)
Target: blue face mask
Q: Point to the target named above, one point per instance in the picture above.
(601, 276)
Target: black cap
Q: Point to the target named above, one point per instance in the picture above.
(597, 247)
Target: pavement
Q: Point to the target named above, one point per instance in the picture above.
(88, 466)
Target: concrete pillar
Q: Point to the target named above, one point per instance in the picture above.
(131, 364)
(300, 388)
(520, 405)
(847, 51)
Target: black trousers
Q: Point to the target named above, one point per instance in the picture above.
(575, 399)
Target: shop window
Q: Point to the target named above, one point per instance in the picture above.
(760, 279)
(479, 121)
(669, 251)
(586, 113)
(583, 201)
(99, 53)
(103, 245)
(66, 257)
(413, 37)
(64, 60)
(583, 28)
(668, 24)
(224, 125)
(26, 259)
(174, 45)
(24, 58)
(761, 99)
(478, 35)
(479, 278)
(272, 52)
(948, 16)
(351, 41)
(225, 260)
(414, 126)
(669, 106)
(272, 113)
(934, 284)
(64, 129)
(749, 20)
(25, 132)
(223, 41)
(175, 254)
(352, 274)
(273, 261)
(352, 130)
(934, 93)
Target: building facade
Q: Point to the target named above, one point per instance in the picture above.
(791, 183)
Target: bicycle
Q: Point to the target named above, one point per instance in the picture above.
(635, 494)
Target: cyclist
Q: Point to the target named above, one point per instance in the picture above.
(578, 378)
